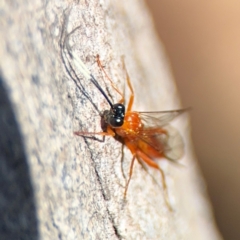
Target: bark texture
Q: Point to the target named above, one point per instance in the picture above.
(55, 185)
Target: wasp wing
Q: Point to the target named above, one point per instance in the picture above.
(174, 145)
(160, 118)
(162, 137)
(167, 142)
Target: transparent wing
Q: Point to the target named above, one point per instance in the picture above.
(167, 141)
(159, 139)
(174, 145)
(161, 118)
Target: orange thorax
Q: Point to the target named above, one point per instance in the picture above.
(131, 127)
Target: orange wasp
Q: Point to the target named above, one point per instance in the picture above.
(146, 134)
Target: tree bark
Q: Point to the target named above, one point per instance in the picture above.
(58, 185)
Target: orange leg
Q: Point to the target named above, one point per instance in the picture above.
(151, 163)
(109, 79)
(155, 131)
(109, 132)
(132, 148)
(130, 175)
(146, 170)
(131, 100)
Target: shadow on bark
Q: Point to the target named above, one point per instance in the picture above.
(18, 219)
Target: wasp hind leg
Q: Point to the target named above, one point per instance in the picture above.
(153, 164)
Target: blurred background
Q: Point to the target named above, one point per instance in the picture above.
(202, 40)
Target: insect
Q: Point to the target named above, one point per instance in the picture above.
(146, 134)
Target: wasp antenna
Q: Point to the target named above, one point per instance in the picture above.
(94, 81)
(81, 66)
(87, 74)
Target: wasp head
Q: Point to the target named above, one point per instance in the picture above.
(115, 116)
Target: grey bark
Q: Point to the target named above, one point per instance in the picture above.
(55, 185)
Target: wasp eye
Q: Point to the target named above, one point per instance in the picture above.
(116, 117)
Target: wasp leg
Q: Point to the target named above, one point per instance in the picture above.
(109, 132)
(131, 99)
(146, 170)
(151, 163)
(130, 175)
(109, 79)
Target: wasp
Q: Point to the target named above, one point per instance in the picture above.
(147, 135)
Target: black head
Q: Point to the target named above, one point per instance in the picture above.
(115, 116)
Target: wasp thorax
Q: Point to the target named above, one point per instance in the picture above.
(115, 116)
